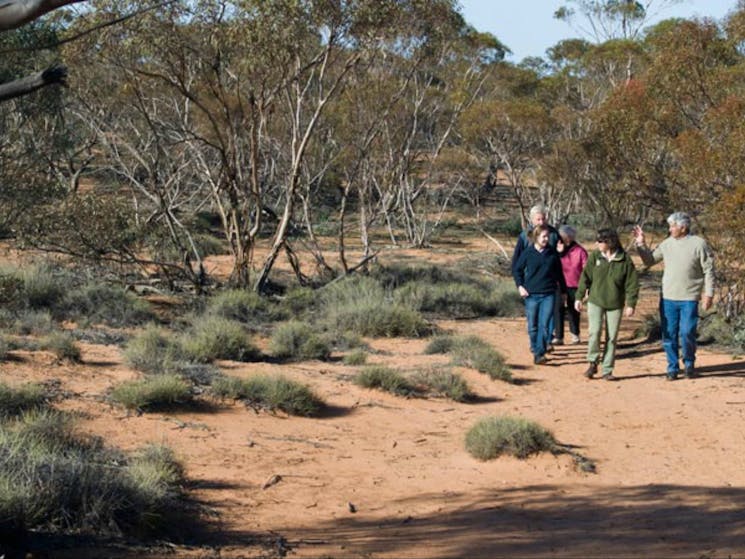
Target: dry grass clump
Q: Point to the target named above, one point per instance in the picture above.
(493, 436)
(154, 392)
(270, 393)
(472, 351)
(299, 340)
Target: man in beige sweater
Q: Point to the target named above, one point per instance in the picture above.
(689, 270)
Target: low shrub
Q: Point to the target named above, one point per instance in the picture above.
(214, 337)
(444, 383)
(13, 401)
(356, 357)
(298, 340)
(63, 346)
(270, 393)
(493, 436)
(154, 392)
(384, 378)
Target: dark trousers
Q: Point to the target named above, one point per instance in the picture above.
(570, 314)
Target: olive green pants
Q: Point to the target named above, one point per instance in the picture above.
(596, 316)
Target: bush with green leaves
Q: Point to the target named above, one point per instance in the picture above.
(63, 345)
(472, 351)
(13, 401)
(384, 378)
(493, 436)
(55, 479)
(442, 382)
(96, 303)
(299, 340)
(361, 305)
(270, 393)
(214, 337)
(154, 392)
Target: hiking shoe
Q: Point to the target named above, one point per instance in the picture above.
(689, 372)
(540, 359)
(609, 376)
(592, 370)
(557, 341)
(671, 376)
(574, 339)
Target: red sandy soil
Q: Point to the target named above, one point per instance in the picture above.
(387, 477)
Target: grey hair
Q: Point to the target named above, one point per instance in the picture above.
(568, 231)
(681, 219)
(538, 209)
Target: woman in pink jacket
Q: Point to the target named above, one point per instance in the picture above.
(573, 259)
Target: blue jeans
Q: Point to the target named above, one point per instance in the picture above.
(678, 322)
(539, 310)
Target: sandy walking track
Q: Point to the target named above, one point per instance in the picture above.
(383, 476)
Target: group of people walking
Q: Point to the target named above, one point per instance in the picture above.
(557, 279)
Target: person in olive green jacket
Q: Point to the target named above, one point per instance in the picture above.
(613, 285)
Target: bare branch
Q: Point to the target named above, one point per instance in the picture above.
(24, 86)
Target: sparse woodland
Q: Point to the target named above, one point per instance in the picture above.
(136, 141)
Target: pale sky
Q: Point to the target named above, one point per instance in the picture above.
(528, 27)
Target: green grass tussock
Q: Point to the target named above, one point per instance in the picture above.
(384, 378)
(14, 401)
(95, 303)
(63, 345)
(443, 383)
(472, 351)
(298, 340)
(493, 436)
(214, 337)
(51, 478)
(361, 305)
(155, 392)
(152, 350)
(270, 393)
(242, 305)
(355, 357)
